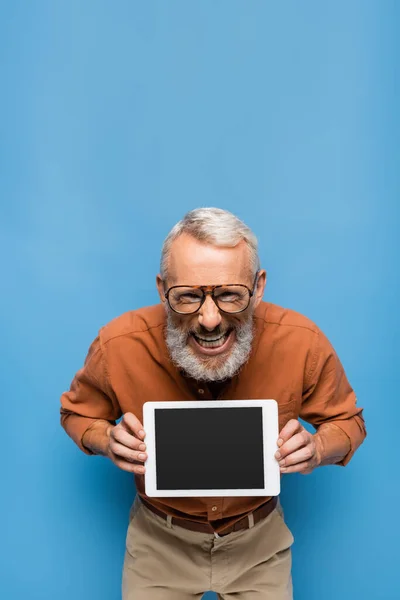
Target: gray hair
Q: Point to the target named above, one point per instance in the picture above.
(214, 226)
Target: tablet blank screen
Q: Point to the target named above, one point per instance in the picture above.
(209, 448)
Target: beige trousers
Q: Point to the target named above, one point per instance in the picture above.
(167, 562)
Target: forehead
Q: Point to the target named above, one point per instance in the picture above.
(198, 263)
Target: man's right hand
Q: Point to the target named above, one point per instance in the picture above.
(126, 448)
(122, 443)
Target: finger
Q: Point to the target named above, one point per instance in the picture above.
(295, 443)
(304, 467)
(303, 455)
(288, 431)
(127, 454)
(125, 465)
(132, 424)
(123, 437)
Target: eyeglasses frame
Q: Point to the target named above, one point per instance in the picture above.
(209, 290)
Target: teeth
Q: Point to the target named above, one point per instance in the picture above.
(211, 339)
(212, 342)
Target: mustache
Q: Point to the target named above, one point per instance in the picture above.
(199, 330)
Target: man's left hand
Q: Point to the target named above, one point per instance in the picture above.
(299, 451)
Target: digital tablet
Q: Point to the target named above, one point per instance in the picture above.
(211, 448)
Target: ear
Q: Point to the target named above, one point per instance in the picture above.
(160, 287)
(261, 283)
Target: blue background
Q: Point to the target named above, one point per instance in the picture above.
(117, 118)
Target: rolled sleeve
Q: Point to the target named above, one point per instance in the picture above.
(90, 397)
(328, 398)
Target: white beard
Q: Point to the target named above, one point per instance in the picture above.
(209, 368)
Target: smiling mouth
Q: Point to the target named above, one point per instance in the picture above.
(212, 341)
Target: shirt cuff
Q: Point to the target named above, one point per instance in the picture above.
(76, 427)
(353, 428)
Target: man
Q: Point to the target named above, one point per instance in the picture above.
(211, 337)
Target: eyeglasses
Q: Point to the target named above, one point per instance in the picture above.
(231, 298)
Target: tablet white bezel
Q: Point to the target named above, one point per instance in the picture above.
(270, 437)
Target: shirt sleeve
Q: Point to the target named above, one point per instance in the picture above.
(328, 397)
(89, 398)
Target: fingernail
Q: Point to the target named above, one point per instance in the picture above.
(282, 463)
(141, 433)
(142, 447)
(283, 469)
(278, 455)
(280, 442)
(142, 456)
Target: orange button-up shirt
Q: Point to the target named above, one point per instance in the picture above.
(291, 361)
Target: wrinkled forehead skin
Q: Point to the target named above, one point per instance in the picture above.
(192, 262)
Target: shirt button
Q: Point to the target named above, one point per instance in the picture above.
(201, 391)
(214, 508)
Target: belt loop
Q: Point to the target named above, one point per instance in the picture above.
(251, 520)
(169, 521)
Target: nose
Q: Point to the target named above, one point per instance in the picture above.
(209, 315)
